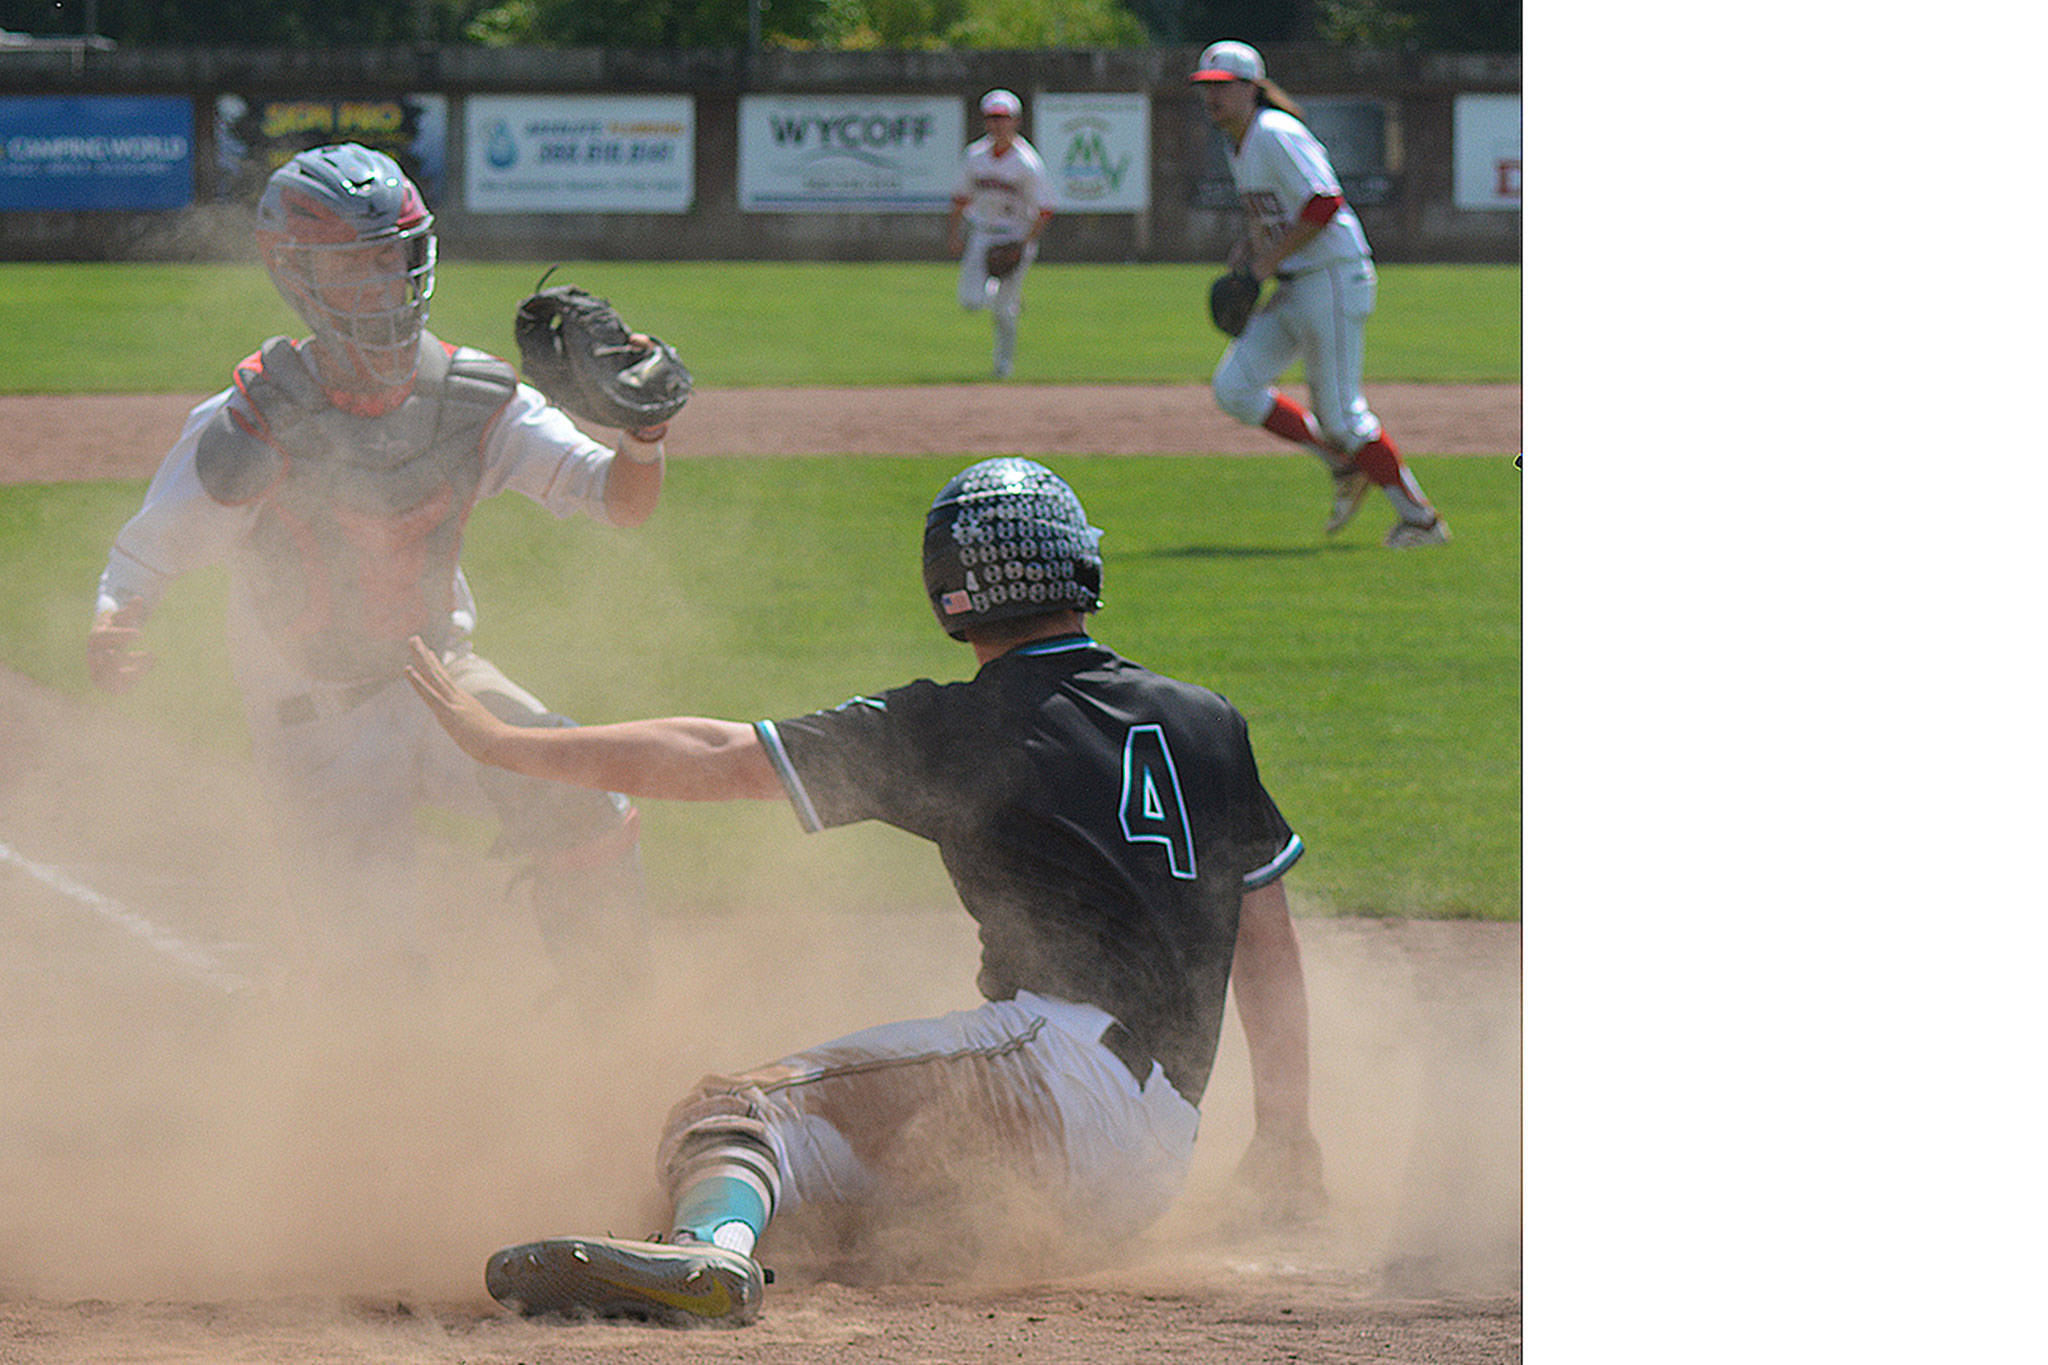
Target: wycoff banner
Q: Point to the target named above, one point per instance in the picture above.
(834, 153)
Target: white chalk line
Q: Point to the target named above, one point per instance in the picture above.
(196, 961)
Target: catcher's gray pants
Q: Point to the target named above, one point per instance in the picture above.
(353, 762)
(1016, 1109)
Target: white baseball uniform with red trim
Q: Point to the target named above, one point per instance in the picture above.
(1004, 194)
(1324, 292)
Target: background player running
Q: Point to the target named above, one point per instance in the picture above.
(1106, 827)
(334, 477)
(1301, 234)
(1002, 195)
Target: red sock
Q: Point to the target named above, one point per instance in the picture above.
(1380, 460)
(1383, 464)
(1291, 422)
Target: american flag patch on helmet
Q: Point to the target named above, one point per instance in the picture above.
(955, 602)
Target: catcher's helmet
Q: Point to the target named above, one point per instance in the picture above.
(1007, 538)
(350, 245)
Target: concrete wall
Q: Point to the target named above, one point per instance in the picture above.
(1419, 221)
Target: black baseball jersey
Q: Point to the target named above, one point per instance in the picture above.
(1100, 822)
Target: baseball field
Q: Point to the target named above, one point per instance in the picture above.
(214, 1147)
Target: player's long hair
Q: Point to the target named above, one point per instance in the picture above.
(1273, 96)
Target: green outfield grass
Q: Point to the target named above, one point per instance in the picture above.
(177, 328)
(1383, 689)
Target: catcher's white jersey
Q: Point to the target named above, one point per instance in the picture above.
(533, 448)
(1004, 194)
(354, 758)
(1280, 167)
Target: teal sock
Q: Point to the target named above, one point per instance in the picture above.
(709, 1208)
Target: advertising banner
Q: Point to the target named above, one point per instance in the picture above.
(580, 153)
(1353, 130)
(1097, 150)
(835, 153)
(1486, 152)
(95, 152)
(254, 136)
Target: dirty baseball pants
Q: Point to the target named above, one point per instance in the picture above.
(351, 763)
(977, 1127)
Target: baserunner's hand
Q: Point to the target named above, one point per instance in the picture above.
(473, 728)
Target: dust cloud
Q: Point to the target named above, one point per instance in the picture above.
(311, 1121)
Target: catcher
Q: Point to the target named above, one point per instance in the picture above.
(1004, 199)
(1107, 828)
(333, 478)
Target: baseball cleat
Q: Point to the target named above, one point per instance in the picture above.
(1349, 490)
(677, 1283)
(1407, 535)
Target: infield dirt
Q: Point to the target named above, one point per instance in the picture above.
(47, 438)
(308, 1171)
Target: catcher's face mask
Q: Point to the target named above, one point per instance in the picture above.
(350, 246)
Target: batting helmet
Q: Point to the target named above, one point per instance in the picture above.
(350, 245)
(1007, 538)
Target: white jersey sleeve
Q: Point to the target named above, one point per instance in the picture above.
(178, 528)
(1035, 186)
(535, 449)
(1280, 167)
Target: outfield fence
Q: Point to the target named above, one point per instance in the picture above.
(158, 153)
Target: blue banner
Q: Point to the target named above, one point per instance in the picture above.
(95, 152)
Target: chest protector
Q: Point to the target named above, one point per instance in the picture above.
(359, 520)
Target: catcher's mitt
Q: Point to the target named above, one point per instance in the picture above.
(1003, 258)
(574, 348)
(1233, 298)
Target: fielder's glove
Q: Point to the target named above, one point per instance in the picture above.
(1233, 298)
(574, 348)
(1003, 258)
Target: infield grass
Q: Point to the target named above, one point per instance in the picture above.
(1383, 689)
(178, 328)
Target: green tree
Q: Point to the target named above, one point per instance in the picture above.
(843, 24)
(1410, 25)
(226, 23)
(1414, 25)
(1423, 25)
(1027, 24)
(868, 25)
(638, 23)
(1250, 21)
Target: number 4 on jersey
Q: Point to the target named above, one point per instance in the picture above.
(1152, 809)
